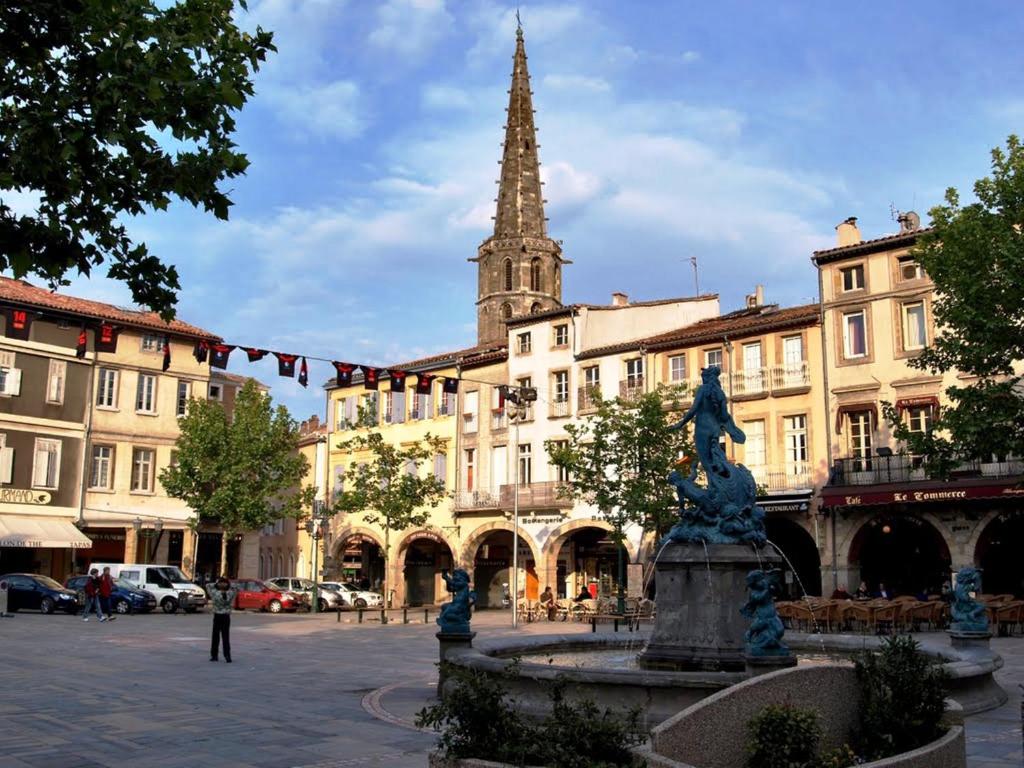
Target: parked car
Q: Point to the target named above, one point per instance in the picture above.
(126, 597)
(327, 599)
(32, 591)
(353, 596)
(258, 595)
(169, 585)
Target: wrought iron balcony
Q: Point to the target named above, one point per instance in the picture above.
(534, 495)
(783, 477)
(790, 376)
(499, 420)
(903, 468)
(750, 382)
(559, 408)
(631, 390)
(469, 500)
(587, 397)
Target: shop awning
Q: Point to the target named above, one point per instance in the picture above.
(41, 533)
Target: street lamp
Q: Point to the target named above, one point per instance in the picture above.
(318, 527)
(148, 533)
(518, 400)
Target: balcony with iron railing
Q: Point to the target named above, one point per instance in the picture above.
(783, 477)
(535, 495)
(559, 408)
(790, 376)
(470, 500)
(631, 390)
(587, 398)
(903, 468)
(751, 382)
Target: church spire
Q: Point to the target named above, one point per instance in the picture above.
(519, 266)
(520, 201)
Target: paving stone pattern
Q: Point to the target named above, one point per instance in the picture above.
(303, 692)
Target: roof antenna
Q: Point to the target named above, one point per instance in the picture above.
(696, 277)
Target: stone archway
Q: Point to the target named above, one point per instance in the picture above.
(557, 539)
(417, 576)
(363, 564)
(996, 551)
(494, 569)
(910, 553)
(801, 564)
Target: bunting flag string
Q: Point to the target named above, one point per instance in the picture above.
(286, 364)
(219, 354)
(255, 354)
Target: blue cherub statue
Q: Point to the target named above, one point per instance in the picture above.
(764, 638)
(454, 617)
(967, 613)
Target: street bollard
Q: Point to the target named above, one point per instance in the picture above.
(383, 617)
(426, 612)
(405, 615)
(360, 615)
(339, 615)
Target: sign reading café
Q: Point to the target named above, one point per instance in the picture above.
(923, 495)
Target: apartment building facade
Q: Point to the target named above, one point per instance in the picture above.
(891, 523)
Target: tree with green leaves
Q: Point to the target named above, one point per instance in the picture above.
(110, 109)
(975, 256)
(618, 460)
(389, 488)
(242, 472)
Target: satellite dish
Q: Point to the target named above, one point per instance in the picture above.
(909, 222)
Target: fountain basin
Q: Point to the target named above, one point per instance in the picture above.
(662, 694)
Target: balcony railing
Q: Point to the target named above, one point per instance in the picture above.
(631, 390)
(587, 397)
(786, 477)
(498, 420)
(750, 382)
(790, 376)
(465, 500)
(559, 408)
(469, 423)
(903, 468)
(534, 495)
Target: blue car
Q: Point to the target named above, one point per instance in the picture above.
(33, 591)
(126, 597)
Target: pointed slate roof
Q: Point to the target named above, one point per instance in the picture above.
(520, 201)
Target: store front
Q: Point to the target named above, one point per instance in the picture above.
(359, 559)
(1000, 554)
(589, 559)
(423, 560)
(38, 544)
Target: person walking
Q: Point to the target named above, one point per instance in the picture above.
(222, 597)
(106, 590)
(92, 596)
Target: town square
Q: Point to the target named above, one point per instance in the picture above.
(699, 444)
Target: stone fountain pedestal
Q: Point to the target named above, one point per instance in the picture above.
(699, 625)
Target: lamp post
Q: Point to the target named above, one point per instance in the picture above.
(148, 534)
(518, 399)
(317, 527)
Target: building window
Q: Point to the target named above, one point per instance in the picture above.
(106, 388)
(184, 390)
(860, 439)
(793, 350)
(525, 409)
(441, 467)
(560, 386)
(561, 335)
(46, 466)
(216, 392)
(919, 418)
(102, 471)
(535, 308)
(470, 464)
(507, 267)
(561, 473)
(909, 269)
(153, 343)
(592, 378)
(524, 343)
(525, 463)
(795, 435)
(55, 382)
(145, 394)
(143, 464)
(446, 404)
(470, 409)
(535, 274)
(506, 312)
(713, 357)
(635, 372)
(677, 368)
(853, 278)
(915, 330)
(10, 377)
(855, 336)
(394, 407)
(755, 449)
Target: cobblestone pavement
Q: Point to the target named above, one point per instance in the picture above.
(303, 692)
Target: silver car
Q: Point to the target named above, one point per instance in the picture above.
(327, 600)
(355, 597)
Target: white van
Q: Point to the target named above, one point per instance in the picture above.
(172, 588)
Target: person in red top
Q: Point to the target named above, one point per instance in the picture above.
(106, 590)
(92, 596)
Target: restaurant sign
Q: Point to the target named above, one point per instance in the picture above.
(24, 496)
(923, 496)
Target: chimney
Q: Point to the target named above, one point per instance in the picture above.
(756, 299)
(848, 233)
(620, 299)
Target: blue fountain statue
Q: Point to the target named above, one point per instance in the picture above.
(968, 615)
(726, 512)
(454, 616)
(764, 637)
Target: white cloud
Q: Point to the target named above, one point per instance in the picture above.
(444, 97)
(496, 26)
(691, 56)
(577, 83)
(410, 27)
(333, 109)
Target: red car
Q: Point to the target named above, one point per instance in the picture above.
(256, 595)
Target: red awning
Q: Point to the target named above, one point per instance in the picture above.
(852, 496)
(855, 408)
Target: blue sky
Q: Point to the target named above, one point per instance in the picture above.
(736, 132)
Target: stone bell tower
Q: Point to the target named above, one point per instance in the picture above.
(519, 266)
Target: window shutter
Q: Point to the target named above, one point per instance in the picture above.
(40, 466)
(14, 381)
(398, 407)
(6, 465)
(332, 409)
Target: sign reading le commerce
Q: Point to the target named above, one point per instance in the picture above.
(924, 495)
